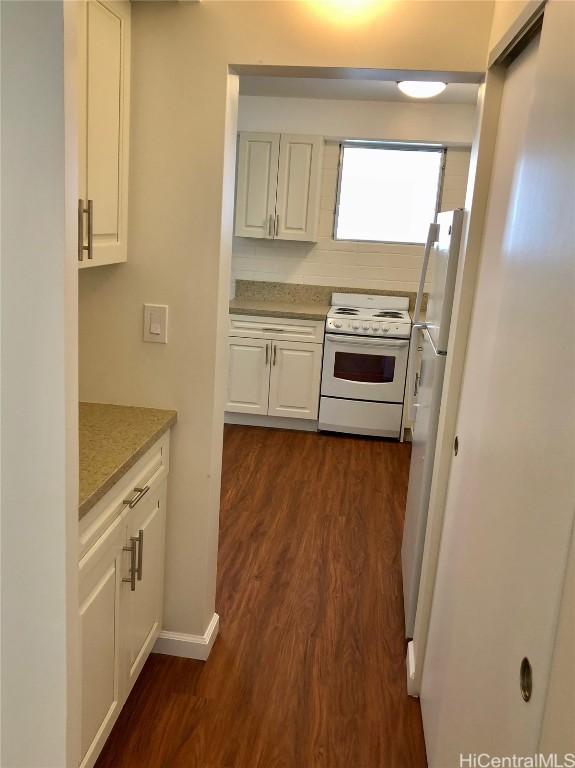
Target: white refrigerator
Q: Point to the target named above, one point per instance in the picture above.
(430, 335)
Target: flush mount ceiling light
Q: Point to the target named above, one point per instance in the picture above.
(420, 89)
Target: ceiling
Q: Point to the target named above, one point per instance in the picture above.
(360, 90)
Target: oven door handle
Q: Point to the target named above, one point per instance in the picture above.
(351, 340)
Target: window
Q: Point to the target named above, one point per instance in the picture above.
(388, 193)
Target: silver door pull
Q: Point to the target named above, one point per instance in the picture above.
(267, 354)
(133, 564)
(90, 246)
(137, 495)
(81, 210)
(140, 541)
(277, 224)
(275, 353)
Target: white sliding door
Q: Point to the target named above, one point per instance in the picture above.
(511, 492)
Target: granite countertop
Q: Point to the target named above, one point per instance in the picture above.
(278, 308)
(112, 439)
(308, 302)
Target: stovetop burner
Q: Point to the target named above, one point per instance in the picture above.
(390, 313)
(346, 311)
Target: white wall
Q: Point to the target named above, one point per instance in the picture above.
(344, 264)
(341, 119)
(177, 255)
(39, 478)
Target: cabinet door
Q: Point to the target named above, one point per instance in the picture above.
(100, 580)
(256, 184)
(248, 375)
(104, 146)
(295, 378)
(142, 608)
(299, 187)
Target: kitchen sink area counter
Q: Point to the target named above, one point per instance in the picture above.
(112, 439)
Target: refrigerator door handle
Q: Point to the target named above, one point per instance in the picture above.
(432, 236)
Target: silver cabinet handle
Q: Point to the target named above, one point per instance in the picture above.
(138, 494)
(416, 387)
(270, 225)
(140, 541)
(133, 565)
(136, 550)
(81, 230)
(275, 353)
(267, 354)
(90, 248)
(277, 224)
(273, 330)
(81, 247)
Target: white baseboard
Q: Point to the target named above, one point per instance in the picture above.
(275, 422)
(188, 646)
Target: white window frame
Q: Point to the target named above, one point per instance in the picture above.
(406, 146)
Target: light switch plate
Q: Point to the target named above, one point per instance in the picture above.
(156, 323)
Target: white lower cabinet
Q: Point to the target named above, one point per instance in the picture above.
(295, 379)
(100, 590)
(248, 385)
(273, 376)
(141, 608)
(121, 579)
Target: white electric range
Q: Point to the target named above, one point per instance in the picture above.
(365, 364)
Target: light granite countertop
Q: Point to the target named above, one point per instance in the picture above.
(278, 308)
(308, 302)
(112, 439)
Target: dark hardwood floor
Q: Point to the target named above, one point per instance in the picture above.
(308, 670)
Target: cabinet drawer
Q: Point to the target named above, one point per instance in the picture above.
(150, 470)
(277, 328)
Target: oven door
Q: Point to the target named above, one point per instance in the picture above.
(362, 368)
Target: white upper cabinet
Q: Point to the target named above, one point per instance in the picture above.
(104, 98)
(297, 205)
(257, 184)
(278, 186)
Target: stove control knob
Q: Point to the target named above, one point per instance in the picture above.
(385, 329)
(375, 327)
(337, 324)
(355, 325)
(365, 326)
